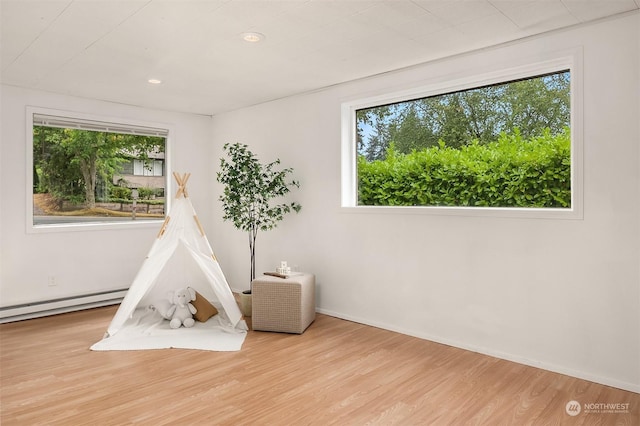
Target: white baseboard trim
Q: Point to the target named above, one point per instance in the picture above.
(59, 306)
(631, 387)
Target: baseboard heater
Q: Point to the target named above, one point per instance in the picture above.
(59, 306)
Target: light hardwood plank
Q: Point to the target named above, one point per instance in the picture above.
(336, 373)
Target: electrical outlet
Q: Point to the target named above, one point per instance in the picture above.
(51, 281)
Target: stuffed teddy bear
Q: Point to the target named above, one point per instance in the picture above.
(181, 311)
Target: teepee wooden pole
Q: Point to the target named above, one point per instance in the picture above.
(164, 226)
(182, 184)
(200, 228)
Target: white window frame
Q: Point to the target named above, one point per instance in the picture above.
(571, 61)
(98, 122)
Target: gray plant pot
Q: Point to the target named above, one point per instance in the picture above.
(245, 303)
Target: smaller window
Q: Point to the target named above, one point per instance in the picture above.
(85, 171)
(148, 167)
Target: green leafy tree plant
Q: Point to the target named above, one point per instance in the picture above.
(509, 172)
(249, 190)
(70, 161)
(460, 118)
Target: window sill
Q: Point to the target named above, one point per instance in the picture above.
(94, 226)
(511, 212)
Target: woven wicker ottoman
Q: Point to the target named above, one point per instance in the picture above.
(286, 305)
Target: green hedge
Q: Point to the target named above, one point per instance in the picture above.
(123, 194)
(120, 193)
(510, 172)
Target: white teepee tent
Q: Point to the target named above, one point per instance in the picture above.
(180, 256)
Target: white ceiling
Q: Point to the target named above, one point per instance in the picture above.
(108, 49)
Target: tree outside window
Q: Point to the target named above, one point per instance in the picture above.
(502, 145)
(80, 175)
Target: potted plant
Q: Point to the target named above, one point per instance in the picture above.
(249, 190)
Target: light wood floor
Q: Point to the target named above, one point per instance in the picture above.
(337, 372)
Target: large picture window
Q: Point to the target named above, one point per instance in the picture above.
(89, 171)
(501, 144)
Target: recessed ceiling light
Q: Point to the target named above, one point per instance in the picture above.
(252, 37)
(154, 81)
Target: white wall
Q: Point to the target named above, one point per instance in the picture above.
(560, 294)
(82, 262)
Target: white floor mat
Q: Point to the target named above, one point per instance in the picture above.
(147, 330)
